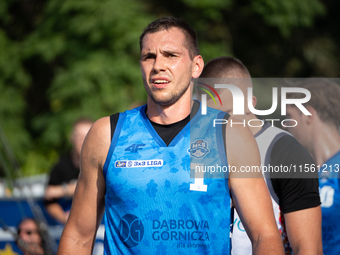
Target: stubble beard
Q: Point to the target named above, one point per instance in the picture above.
(166, 98)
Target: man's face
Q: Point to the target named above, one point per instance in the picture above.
(28, 232)
(299, 131)
(166, 66)
(78, 136)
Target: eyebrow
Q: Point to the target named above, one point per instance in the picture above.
(172, 52)
(163, 51)
(148, 54)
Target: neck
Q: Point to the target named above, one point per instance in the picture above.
(326, 143)
(168, 114)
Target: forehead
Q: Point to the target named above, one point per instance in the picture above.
(172, 38)
(82, 127)
(28, 224)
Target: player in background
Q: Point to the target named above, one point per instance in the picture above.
(319, 133)
(158, 209)
(296, 201)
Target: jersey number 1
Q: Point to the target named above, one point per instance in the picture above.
(198, 184)
(327, 196)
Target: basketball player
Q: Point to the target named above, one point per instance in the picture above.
(142, 176)
(296, 201)
(319, 133)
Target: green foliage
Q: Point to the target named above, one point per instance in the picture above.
(89, 53)
(208, 4)
(13, 80)
(324, 53)
(288, 14)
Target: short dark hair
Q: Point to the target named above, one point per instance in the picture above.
(166, 23)
(325, 96)
(225, 67)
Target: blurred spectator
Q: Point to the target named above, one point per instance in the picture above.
(319, 133)
(30, 240)
(64, 175)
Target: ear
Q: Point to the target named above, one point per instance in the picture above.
(254, 102)
(197, 67)
(311, 118)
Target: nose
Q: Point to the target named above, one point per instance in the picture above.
(159, 64)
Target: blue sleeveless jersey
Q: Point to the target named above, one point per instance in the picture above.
(330, 205)
(152, 205)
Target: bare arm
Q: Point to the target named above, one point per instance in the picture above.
(88, 203)
(250, 193)
(56, 192)
(59, 191)
(57, 212)
(304, 231)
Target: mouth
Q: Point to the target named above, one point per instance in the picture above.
(160, 82)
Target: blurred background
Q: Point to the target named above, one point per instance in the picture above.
(65, 59)
(62, 59)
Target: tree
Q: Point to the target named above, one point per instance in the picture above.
(68, 59)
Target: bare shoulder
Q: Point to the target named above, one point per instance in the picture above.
(97, 142)
(242, 150)
(238, 132)
(240, 142)
(101, 125)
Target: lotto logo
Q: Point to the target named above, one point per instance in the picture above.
(120, 164)
(131, 230)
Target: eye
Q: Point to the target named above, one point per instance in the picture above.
(148, 56)
(172, 55)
